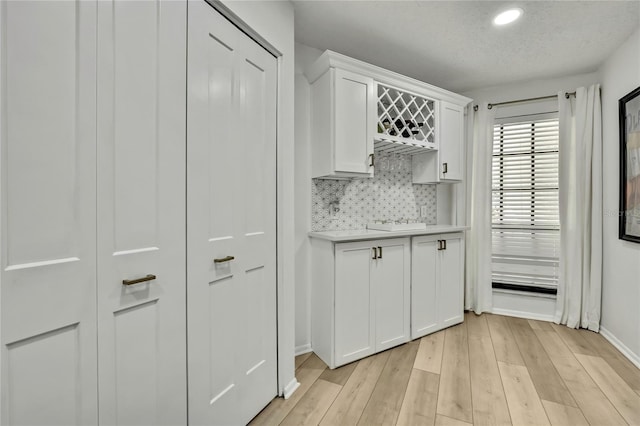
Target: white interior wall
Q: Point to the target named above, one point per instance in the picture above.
(506, 302)
(273, 20)
(305, 56)
(620, 74)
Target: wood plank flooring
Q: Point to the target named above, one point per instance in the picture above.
(489, 370)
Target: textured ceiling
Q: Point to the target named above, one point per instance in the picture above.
(454, 45)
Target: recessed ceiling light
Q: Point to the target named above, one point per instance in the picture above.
(507, 16)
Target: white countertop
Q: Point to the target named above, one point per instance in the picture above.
(369, 234)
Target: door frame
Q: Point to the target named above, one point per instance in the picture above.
(287, 383)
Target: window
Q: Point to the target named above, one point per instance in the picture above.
(525, 216)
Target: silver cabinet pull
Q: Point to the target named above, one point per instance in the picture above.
(444, 168)
(375, 253)
(149, 277)
(445, 244)
(379, 252)
(439, 244)
(372, 158)
(223, 259)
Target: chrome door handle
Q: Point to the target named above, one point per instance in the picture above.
(149, 277)
(439, 244)
(223, 259)
(445, 168)
(372, 158)
(375, 252)
(445, 244)
(379, 252)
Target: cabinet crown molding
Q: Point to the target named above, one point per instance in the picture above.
(331, 59)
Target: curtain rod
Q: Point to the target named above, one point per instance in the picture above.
(566, 95)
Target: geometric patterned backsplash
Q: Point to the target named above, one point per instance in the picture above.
(350, 204)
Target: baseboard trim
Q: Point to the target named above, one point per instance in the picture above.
(291, 388)
(303, 349)
(635, 359)
(519, 314)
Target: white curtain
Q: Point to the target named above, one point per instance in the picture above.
(478, 293)
(580, 173)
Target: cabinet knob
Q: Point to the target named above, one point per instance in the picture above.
(375, 253)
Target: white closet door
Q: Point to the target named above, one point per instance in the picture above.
(48, 226)
(141, 212)
(231, 216)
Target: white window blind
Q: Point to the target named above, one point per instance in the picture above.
(525, 217)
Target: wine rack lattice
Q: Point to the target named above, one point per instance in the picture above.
(405, 117)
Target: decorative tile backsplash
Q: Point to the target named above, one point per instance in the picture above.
(389, 195)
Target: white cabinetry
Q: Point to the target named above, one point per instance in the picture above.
(437, 274)
(360, 298)
(357, 108)
(447, 163)
(342, 123)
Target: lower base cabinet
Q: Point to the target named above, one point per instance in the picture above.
(437, 282)
(360, 298)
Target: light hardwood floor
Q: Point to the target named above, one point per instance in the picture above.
(489, 370)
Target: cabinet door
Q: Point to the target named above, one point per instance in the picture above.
(425, 258)
(451, 134)
(141, 182)
(48, 209)
(391, 287)
(354, 321)
(353, 119)
(450, 297)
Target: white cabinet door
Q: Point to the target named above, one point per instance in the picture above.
(390, 283)
(354, 318)
(424, 285)
(451, 298)
(231, 212)
(437, 300)
(354, 121)
(451, 143)
(141, 187)
(48, 209)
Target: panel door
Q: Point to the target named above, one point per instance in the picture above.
(451, 143)
(425, 260)
(354, 316)
(451, 298)
(390, 285)
(141, 212)
(48, 212)
(353, 118)
(231, 212)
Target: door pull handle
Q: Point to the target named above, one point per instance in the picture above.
(445, 167)
(223, 259)
(375, 253)
(439, 244)
(379, 252)
(149, 277)
(445, 244)
(372, 158)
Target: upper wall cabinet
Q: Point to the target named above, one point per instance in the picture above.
(357, 108)
(447, 163)
(342, 117)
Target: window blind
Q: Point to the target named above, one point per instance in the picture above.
(525, 215)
